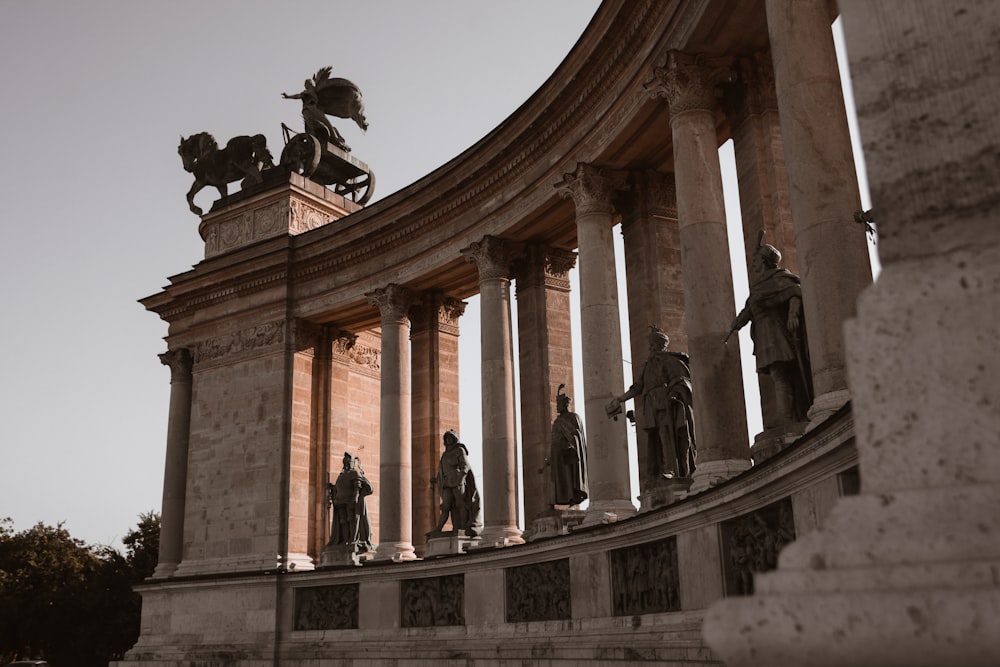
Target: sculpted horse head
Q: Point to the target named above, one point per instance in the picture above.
(244, 157)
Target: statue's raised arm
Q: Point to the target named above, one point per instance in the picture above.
(324, 96)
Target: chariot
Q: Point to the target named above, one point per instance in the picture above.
(325, 163)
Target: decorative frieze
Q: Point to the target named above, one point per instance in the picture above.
(433, 601)
(327, 607)
(304, 217)
(538, 592)
(751, 543)
(644, 578)
(245, 340)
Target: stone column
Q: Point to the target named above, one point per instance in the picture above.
(545, 360)
(434, 351)
(303, 462)
(654, 283)
(175, 470)
(395, 509)
(906, 572)
(823, 192)
(689, 84)
(592, 191)
(493, 256)
(752, 107)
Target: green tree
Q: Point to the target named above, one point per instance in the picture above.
(68, 602)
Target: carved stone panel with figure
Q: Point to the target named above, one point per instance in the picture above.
(433, 601)
(327, 608)
(751, 543)
(644, 578)
(538, 592)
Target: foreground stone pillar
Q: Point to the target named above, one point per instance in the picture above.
(823, 193)
(493, 256)
(592, 190)
(906, 572)
(654, 278)
(434, 353)
(689, 85)
(175, 471)
(395, 509)
(544, 334)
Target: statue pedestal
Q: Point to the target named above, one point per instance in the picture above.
(664, 491)
(553, 522)
(770, 441)
(340, 554)
(452, 542)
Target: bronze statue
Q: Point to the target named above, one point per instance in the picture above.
(667, 415)
(457, 485)
(323, 96)
(243, 157)
(774, 311)
(568, 456)
(350, 525)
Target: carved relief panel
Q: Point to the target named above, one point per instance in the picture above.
(751, 543)
(644, 578)
(327, 607)
(538, 592)
(433, 601)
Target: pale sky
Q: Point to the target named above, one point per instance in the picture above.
(92, 194)
(95, 97)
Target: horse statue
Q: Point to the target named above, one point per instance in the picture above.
(324, 96)
(243, 157)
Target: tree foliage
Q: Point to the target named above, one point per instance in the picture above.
(66, 601)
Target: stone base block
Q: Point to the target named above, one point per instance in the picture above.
(340, 554)
(555, 522)
(663, 492)
(771, 441)
(825, 405)
(710, 473)
(452, 542)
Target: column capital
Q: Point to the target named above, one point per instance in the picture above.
(544, 265)
(304, 334)
(394, 302)
(650, 193)
(493, 256)
(689, 82)
(440, 313)
(591, 188)
(180, 361)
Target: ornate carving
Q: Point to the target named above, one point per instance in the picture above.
(750, 544)
(304, 217)
(591, 188)
(493, 256)
(343, 342)
(439, 312)
(538, 592)
(179, 360)
(251, 338)
(366, 356)
(433, 601)
(644, 578)
(544, 265)
(690, 82)
(394, 302)
(327, 607)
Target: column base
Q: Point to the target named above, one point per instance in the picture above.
(825, 405)
(711, 473)
(553, 523)
(608, 511)
(164, 570)
(397, 552)
(296, 562)
(663, 492)
(501, 536)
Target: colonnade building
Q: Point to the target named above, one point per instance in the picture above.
(315, 326)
